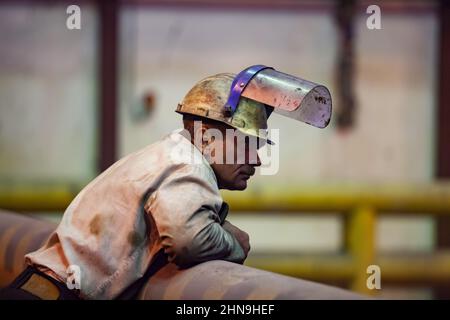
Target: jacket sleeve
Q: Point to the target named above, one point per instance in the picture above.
(185, 212)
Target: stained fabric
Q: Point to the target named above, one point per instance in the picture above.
(162, 197)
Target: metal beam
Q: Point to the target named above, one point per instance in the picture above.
(108, 12)
(403, 200)
(443, 128)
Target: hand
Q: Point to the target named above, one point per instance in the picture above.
(241, 236)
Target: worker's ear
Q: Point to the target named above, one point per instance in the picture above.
(208, 138)
(212, 147)
(202, 136)
(210, 135)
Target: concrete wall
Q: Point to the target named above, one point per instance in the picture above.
(48, 94)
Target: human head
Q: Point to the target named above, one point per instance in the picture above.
(229, 143)
(232, 154)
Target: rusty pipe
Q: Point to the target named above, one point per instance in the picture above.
(215, 280)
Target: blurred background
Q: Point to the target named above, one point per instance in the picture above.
(370, 189)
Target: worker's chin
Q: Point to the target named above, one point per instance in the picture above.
(240, 184)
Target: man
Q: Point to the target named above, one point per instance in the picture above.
(160, 204)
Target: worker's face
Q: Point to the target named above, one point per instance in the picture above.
(233, 157)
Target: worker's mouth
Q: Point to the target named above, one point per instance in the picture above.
(246, 174)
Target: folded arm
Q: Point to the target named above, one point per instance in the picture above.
(185, 210)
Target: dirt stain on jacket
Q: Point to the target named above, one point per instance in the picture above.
(95, 224)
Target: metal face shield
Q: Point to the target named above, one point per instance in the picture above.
(288, 95)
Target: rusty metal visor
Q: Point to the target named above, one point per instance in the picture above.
(289, 96)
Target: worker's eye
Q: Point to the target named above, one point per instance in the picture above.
(254, 142)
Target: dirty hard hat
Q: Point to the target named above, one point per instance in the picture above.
(208, 97)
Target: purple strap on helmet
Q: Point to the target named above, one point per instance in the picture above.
(238, 85)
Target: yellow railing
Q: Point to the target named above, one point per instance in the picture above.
(359, 205)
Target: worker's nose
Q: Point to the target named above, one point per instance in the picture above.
(258, 160)
(254, 159)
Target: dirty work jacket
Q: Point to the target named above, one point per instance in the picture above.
(164, 196)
